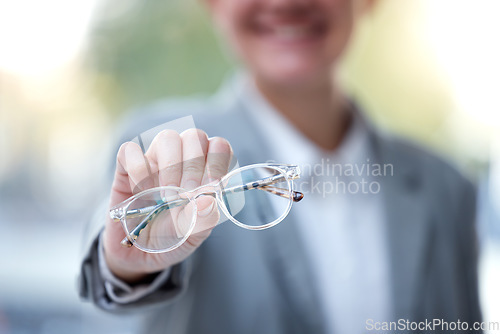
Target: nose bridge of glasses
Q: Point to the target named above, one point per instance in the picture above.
(117, 213)
(292, 172)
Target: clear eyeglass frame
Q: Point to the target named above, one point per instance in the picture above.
(284, 173)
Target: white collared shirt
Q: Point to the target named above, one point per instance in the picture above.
(341, 218)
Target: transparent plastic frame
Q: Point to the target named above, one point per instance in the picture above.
(216, 189)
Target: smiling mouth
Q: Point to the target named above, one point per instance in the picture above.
(289, 32)
(297, 28)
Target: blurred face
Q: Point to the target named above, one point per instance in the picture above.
(287, 41)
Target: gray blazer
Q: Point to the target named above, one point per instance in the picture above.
(242, 281)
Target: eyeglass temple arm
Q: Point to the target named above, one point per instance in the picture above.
(118, 214)
(264, 184)
(151, 212)
(296, 196)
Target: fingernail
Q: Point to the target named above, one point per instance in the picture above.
(205, 212)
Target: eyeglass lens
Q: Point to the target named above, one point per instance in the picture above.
(162, 219)
(257, 196)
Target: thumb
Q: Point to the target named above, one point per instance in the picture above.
(208, 214)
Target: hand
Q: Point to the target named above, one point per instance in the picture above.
(187, 160)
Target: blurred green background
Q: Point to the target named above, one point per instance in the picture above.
(154, 49)
(426, 69)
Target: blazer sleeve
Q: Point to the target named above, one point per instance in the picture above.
(95, 286)
(468, 249)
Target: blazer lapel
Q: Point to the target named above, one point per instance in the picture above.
(290, 266)
(407, 224)
(286, 257)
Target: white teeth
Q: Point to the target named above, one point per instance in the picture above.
(291, 32)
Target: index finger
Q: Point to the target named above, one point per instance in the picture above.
(218, 160)
(194, 150)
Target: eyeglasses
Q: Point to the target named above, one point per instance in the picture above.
(161, 219)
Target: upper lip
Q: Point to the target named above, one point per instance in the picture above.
(290, 25)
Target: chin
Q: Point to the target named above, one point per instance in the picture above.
(294, 76)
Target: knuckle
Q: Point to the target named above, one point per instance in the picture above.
(192, 167)
(194, 132)
(220, 144)
(167, 134)
(123, 147)
(216, 170)
(163, 139)
(171, 167)
(130, 148)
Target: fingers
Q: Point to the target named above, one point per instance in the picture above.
(166, 152)
(134, 166)
(218, 159)
(194, 151)
(208, 214)
(187, 160)
(207, 217)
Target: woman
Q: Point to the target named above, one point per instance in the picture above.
(345, 260)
